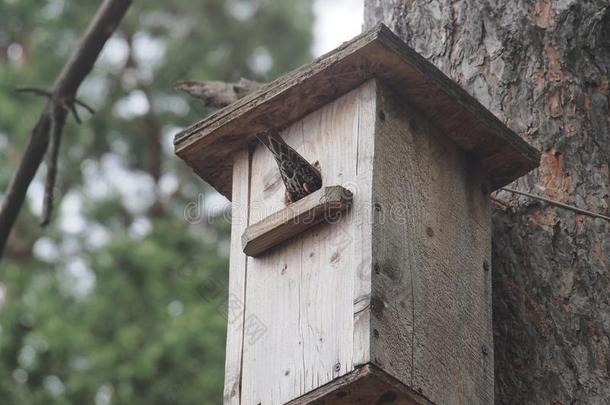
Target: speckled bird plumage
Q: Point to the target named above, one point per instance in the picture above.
(299, 176)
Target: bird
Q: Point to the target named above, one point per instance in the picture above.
(217, 94)
(300, 177)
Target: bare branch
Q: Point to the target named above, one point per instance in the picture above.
(58, 119)
(74, 113)
(65, 87)
(41, 91)
(85, 106)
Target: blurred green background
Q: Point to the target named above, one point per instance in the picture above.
(122, 299)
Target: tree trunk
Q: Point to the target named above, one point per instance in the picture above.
(542, 68)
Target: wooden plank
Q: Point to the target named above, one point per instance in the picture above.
(273, 283)
(362, 218)
(376, 53)
(364, 386)
(395, 211)
(323, 205)
(237, 279)
(303, 289)
(431, 297)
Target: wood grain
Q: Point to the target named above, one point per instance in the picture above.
(362, 216)
(206, 145)
(364, 386)
(431, 298)
(237, 279)
(397, 283)
(323, 205)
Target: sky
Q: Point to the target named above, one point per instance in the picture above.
(336, 21)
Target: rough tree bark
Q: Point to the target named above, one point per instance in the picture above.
(542, 67)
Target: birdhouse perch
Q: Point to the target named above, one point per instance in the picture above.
(375, 288)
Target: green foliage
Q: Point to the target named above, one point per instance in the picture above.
(122, 300)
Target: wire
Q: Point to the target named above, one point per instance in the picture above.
(557, 203)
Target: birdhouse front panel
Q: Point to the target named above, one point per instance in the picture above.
(303, 291)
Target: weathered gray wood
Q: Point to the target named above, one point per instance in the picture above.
(398, 282)
(362, 218)
(303, 290)
(431, 298)
(325, 204)
(237, 279)
(376, 53)
(364, 386)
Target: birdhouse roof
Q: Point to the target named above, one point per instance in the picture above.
(208, 145)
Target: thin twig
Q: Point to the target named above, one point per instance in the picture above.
(58, 119)
(85, 106)
(41, 91)
(75, 113)
(557, 203)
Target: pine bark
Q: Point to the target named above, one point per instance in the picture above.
(542, 68)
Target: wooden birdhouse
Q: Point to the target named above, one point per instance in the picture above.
(376, 287)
